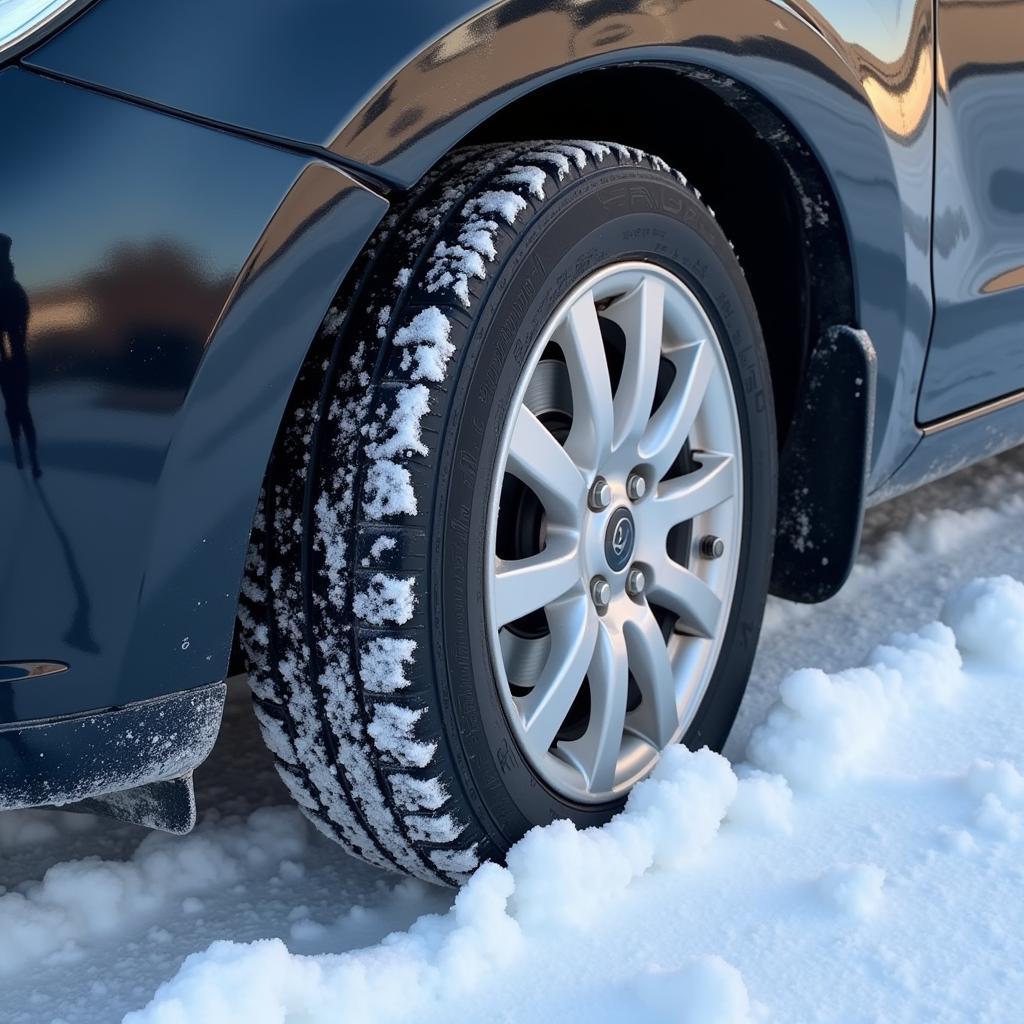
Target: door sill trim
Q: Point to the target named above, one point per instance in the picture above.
(937, 426)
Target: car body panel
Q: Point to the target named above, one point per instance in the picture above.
(391, 89)
(175, 277)
(977, 350)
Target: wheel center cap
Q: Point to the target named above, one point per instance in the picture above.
(619, 539)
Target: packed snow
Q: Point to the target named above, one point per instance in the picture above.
(855, 856)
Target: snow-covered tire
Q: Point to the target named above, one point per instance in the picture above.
(362, 617)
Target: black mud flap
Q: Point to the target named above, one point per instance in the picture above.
(823, 470)
(168, 806)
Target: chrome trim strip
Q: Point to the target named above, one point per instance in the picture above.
(16, 671)
(959, 418)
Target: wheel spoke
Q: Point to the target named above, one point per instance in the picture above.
(679, 500)
(536, 458)
(657, 716)
(640, 315)
(574, 628)
(523, 585)
(686, 594)
(596, 752)
(580, 338)
(670, 426)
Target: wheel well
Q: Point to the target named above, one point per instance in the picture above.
(767, 189)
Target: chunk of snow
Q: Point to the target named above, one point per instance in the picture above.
(763, 802)
(382, 663)
(411, 405)
(987, 616)
(381, 544)
(391, 729)
(387, 491)
(825, 727)
(532, 177)
(386, 599)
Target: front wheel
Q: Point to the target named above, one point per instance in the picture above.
(517, 535)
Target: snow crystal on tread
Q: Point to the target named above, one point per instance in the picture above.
(391, 729)
(411, 405)
(382, 663)
(576, 154)
(452, 265)
(382, 544)
(597, 151)
(388, 490)
(532, 177)
(550, 156)
(413, 794)
(299, 793)
(425, 340)
(386, 599)
(275, 735)
(456, 862)
(441, 828)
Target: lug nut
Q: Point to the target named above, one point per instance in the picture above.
(712, 546)
(635, 582)
(601, 592)
(600, 496)
(636, 486)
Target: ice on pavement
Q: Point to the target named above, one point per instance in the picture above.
(859, 858)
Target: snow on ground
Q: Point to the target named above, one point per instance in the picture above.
(859, 859)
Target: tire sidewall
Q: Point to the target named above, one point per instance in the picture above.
(604, 218)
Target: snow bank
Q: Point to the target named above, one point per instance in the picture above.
(556, 876)
(714, 884)
(825, 728)
(987, 616)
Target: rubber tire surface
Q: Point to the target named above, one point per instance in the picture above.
(362, 617)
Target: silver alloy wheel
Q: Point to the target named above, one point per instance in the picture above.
(606, 611)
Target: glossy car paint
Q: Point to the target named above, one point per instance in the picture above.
(180, 185)
(977, 350)
(174, 276)
(389, 95)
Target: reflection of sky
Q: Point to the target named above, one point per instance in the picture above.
(100, 173)
(879, 26)
(18, 17)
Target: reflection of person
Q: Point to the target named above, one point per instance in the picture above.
(14, 359)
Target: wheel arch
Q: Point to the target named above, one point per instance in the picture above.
(793, 93)
(769, 192)
(837, 118)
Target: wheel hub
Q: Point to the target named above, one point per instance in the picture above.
(619, 539)
(605, 625)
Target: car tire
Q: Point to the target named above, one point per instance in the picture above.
(409, 487)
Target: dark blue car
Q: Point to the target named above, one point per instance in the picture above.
(468, 374)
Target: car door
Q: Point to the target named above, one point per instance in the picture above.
(977, 347)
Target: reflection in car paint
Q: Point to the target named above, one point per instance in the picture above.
(14, 375)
